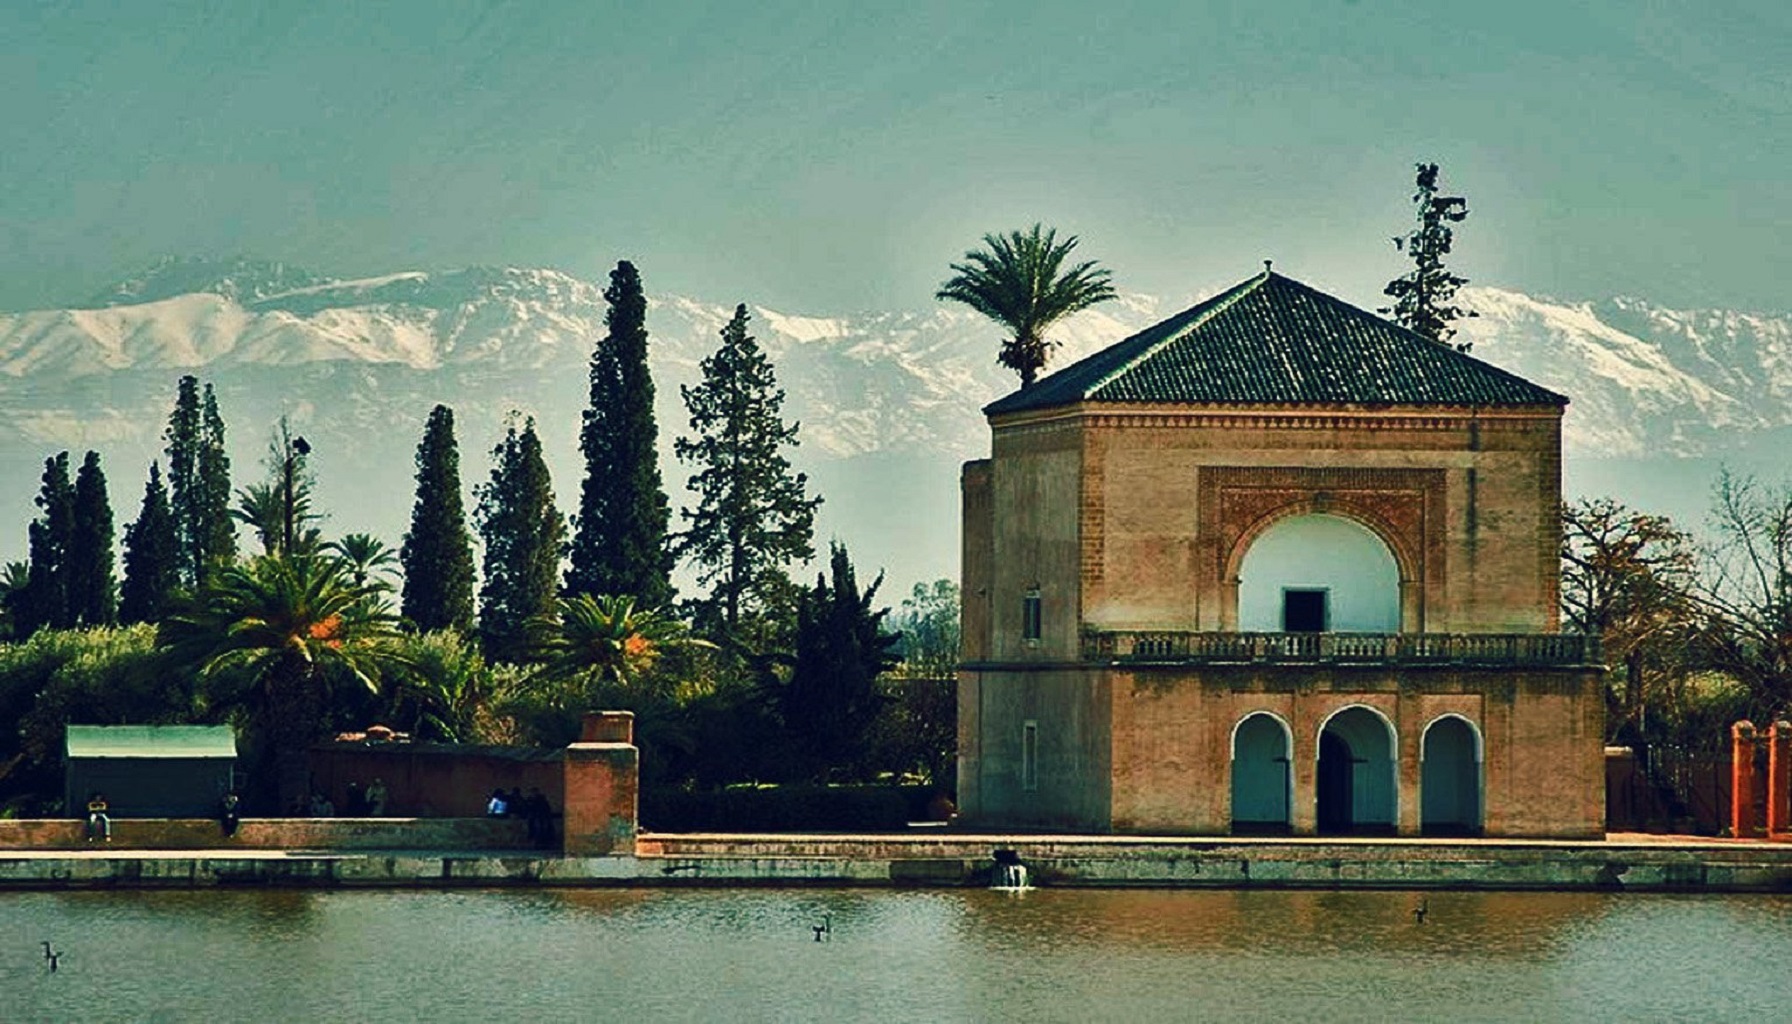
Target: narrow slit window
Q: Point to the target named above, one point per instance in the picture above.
(1029, 616)
(1029, 756)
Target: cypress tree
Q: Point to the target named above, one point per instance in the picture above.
(151, 556)
(92, 582)
(45, 598)
(753, 515)
(620, 544)
(216, 536)
(437, 554)
(185, 500)
(1423, 296)
(524, 535)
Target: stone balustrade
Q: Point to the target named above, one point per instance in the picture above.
(1516, 650)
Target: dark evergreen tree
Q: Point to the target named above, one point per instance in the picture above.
(620, 543)
(1424, 297)
(524, 536)
(437, 555)
(753, 515)
(92, 581)
(841, 649)
(151, 557)
(199, 482)
(185, 499)
(215, 531)
(44, 600)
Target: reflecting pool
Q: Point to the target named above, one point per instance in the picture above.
(932, 955)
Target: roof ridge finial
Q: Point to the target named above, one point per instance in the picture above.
(1266, 265)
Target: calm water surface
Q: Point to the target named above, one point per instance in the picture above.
(948, 955)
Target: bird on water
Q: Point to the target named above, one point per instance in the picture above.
(826, 927)
(1418, 912)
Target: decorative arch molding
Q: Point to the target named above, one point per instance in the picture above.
(1406, 508)
(1287, 730)
(1473, 729)
(1388, 723)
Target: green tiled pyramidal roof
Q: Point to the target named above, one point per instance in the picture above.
(1272, 340)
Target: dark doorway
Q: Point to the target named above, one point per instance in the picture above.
(1260, 750)
(1337, 769)
(1304, 611)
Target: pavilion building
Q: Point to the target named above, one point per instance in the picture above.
(1274, 565)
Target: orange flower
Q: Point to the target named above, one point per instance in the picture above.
(637, 646)
(328, 630)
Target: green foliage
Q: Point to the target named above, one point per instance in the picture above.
(92, 586)
(151, 556)
(86, 677)
(214, 533)
(442, 687)
(620, 546)
(1019, 280)
(753, 515)
(929, 627)
(367, 558)
(841, 649)
(606, 639)
(1423, 297)
(273, 638)
(915, 734)
(524, 534)
(44, 600)
(437, 555)
(198, 482)
(279, 509)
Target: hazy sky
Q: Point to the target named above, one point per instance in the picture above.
(833, 157)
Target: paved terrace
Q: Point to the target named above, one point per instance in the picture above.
(948, 858)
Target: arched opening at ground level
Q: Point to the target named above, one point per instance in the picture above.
(1355, 781)
(1450, 779)
(1261, 750)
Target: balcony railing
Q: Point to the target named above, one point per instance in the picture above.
(1516, 650)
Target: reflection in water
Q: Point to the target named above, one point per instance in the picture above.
(1045, 955)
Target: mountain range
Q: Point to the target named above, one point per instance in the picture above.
(888, 401)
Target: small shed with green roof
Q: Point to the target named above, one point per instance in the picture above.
(150, 771)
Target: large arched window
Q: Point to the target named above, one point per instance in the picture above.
(1318, 573)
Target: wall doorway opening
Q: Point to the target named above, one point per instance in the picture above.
(1260, 754)
(1355, 778)
(1450, 780)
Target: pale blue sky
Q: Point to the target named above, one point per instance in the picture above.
(833, 157)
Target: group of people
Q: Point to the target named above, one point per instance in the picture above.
(360, 803)
(534, 809)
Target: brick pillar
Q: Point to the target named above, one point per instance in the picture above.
(1742, 779)
(602, 774)
(1779, 778)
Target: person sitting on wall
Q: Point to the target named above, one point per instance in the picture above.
(229, 813)
(99, 823)
(376, 799)
(497, 806)
(513, 802)
(321, 807)
(354, 805)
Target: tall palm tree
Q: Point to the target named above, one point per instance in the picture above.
(289, 627)
(607, 639)
(366, 558)
(1019, 280)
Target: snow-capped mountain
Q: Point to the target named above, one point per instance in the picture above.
(888, 402)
